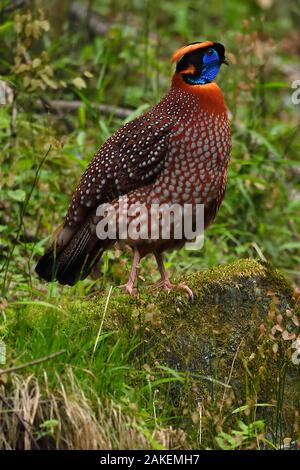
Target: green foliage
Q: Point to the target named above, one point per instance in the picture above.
(245, 435)
(47, 54)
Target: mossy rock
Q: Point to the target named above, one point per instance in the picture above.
(237, 334)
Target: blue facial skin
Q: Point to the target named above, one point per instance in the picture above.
(210, 68)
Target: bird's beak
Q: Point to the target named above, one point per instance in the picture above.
(225, 61)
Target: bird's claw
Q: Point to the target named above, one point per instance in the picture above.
(129, 287)
(165, 284)
(168, 286)
(185, 287)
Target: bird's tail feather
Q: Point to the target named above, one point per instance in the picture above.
(71, 257)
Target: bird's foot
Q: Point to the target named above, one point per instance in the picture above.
(129, 287)
(168, 286)
(130, 284)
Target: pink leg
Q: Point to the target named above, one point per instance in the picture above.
(130, 284)
(165, 281)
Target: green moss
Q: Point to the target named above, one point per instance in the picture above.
(209, 340)
(221, 326)
(224, 296)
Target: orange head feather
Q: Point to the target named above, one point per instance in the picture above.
(190, 48)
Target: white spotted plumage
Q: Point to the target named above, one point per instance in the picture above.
(176, 141)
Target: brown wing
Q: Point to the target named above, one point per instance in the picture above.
(129, 159)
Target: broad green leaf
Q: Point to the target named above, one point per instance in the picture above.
(17, 195)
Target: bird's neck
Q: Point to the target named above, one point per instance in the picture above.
(209, 95)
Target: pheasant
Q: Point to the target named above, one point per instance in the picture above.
(177, 152)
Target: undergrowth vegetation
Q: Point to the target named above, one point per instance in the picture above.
(72, 72)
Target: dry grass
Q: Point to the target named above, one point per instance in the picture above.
(33, 417)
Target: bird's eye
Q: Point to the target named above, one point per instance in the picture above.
(210, 52)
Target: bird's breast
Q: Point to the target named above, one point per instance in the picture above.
(198, 155)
